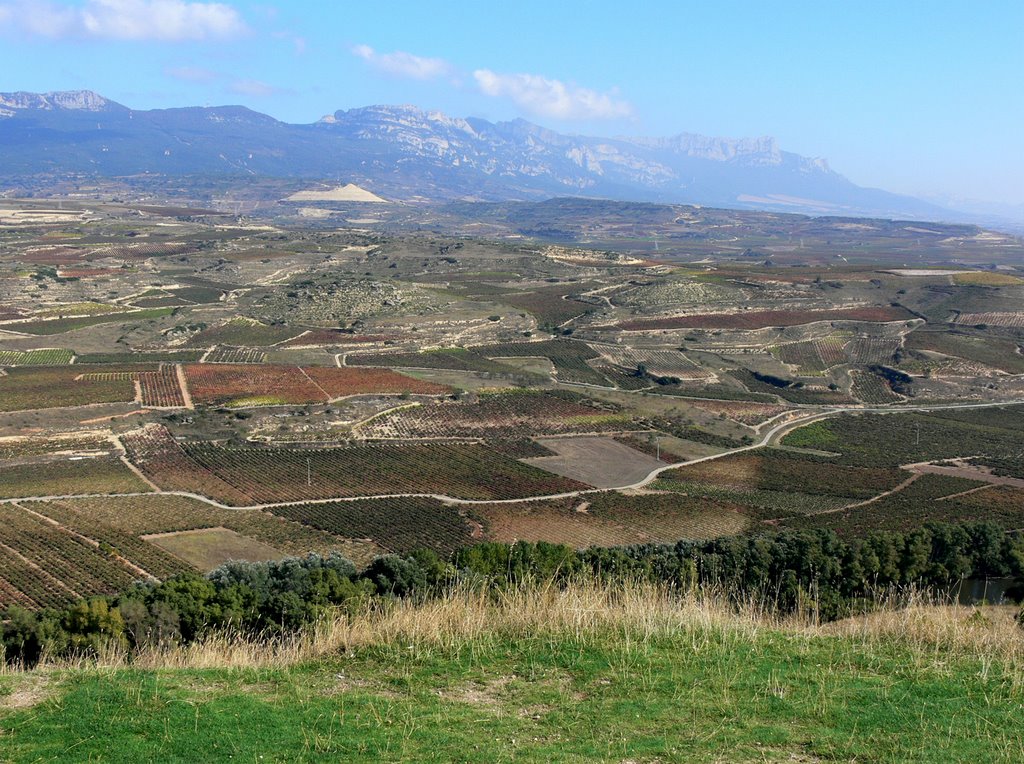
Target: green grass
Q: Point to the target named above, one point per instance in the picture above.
(692, 694)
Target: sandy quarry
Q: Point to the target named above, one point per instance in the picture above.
(347, 193)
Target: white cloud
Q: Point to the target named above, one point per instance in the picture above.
(402, 64)
(253, 88)
(546, 97)
(161, 20)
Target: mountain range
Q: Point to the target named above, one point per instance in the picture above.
(405, 153)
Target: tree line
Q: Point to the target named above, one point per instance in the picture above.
(788, 570)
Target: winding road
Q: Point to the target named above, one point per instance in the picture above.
(772, 435)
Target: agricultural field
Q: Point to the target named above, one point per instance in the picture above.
(892, 440)
(998, 353)
(872, 388)
(455, 359)
(58, 476)
(243, 332)
(234, 355)
(155, 514)
(765, 318)
(567, 356)
(26, 388)
(986, 278)
(42, 565)
(62, 325)
(782, 471)
(43, 357)
(1014, 320)
(506, 415)
(660, 363)
(170, 356)
(600, 462)
(397, 525)
(613, 519)
(250, 476)
(209, 548)
(246, 385)
(930, 498)
(551, 306)
(286, 383)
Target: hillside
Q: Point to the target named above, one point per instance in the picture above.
(401, 152)
(585, 674)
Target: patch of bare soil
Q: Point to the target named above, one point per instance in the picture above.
(597, 461)
(28, 693)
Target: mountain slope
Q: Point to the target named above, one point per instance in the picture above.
(404, 152)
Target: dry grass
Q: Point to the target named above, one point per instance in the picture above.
(928, 626)
(632, 614)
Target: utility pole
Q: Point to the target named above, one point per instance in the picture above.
(309, 474)
(918, 433)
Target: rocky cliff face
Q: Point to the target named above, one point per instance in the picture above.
(71, 100)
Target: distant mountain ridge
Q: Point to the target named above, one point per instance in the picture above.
(402, 152)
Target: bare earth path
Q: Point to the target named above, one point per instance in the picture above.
(965, 472)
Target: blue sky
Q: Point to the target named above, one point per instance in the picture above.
(915, 97)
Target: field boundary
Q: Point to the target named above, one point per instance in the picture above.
(776, 432)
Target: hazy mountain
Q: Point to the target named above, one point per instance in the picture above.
(404, 153)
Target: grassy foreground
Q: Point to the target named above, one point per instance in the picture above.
(583, 674)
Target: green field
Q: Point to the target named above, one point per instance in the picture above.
(560, 679)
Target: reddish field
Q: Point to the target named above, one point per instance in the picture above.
(224, 383)
(270, 384)
(87, 273)
(58, 386)
(161, 388)
(762, 318)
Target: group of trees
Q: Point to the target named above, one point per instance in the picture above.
(788, 570)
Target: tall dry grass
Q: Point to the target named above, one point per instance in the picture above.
(632, 613)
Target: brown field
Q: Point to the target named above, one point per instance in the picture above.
(601, 462)
(253, 385)
(209, 548)
(613, 519)
(740, 411)
(764, 318)
(777, 471)
(160, 513)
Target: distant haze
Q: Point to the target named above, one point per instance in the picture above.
(916, 98)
